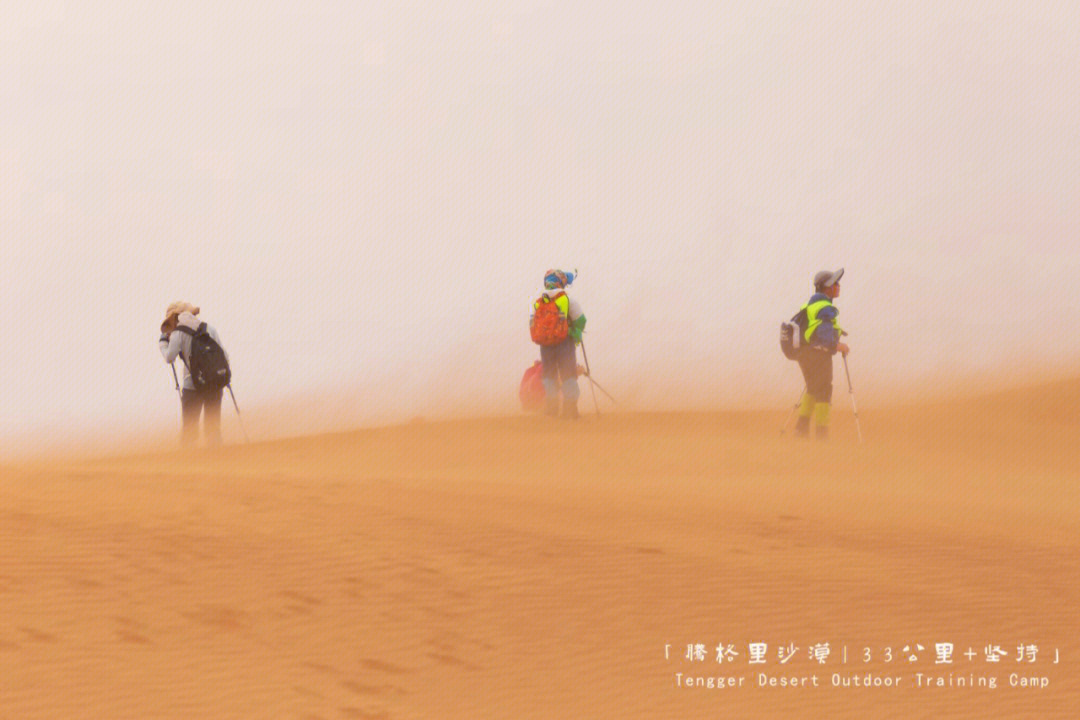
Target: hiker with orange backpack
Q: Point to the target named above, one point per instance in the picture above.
(556, 325)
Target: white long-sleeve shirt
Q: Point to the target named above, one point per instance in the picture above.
(178, 343)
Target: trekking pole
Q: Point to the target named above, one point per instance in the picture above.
(588, 374)
(601, 389)
(176, 380)
(794, 408)
(179, 394)
(238, 417)
(851, 392)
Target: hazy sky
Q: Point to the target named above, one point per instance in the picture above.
(363, 197)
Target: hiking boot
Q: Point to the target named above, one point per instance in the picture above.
(822, 432)
(569, 410)
(551, 407)
(802, 427)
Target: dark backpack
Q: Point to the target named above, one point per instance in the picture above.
(206, 362)
(793, 335)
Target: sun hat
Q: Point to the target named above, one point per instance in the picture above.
(178, 307)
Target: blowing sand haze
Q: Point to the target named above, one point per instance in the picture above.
(375, 214)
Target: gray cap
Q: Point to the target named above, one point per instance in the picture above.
(828, 278)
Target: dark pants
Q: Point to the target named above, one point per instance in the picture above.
(195, 403)
(560, 370)
(816, 366)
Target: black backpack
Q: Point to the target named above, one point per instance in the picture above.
(793, 334)
(206, 362)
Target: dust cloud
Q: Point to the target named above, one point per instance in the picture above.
(363, 201)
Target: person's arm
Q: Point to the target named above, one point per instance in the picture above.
(841, 346)
(826, 334)
(830, 332)
(576, 320)
(169, 346)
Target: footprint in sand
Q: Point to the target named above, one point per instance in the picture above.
(37, 635)
(447, 659)
(363, 689)
(358, 587)
(320, 667)
(353, 712)
(304, 604)
(379, 666)
(132, 637)
(219, 616)
(130, 631)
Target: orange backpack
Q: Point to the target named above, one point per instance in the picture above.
(549, 325)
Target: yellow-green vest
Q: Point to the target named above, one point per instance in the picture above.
(561, 301)
(812, 319)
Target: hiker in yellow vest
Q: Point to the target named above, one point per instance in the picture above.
(822, 341)
(558, 341)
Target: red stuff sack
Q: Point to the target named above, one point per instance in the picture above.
(531, 391)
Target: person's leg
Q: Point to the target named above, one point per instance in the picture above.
(806, 409)
(568, 375)
(816, 366)
(212, 416)
(821, 418)
(822, 411)
(806, 406)
(191, 406)
(821, 388)
(550, 358)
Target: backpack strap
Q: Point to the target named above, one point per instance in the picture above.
(552, 298)
(188, 331)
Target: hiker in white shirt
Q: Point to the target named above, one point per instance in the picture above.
(177, 331)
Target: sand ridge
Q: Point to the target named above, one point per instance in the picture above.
(518, 568)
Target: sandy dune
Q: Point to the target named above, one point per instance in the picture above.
(515, 568)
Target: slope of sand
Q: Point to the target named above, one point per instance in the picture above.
(519, 568)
